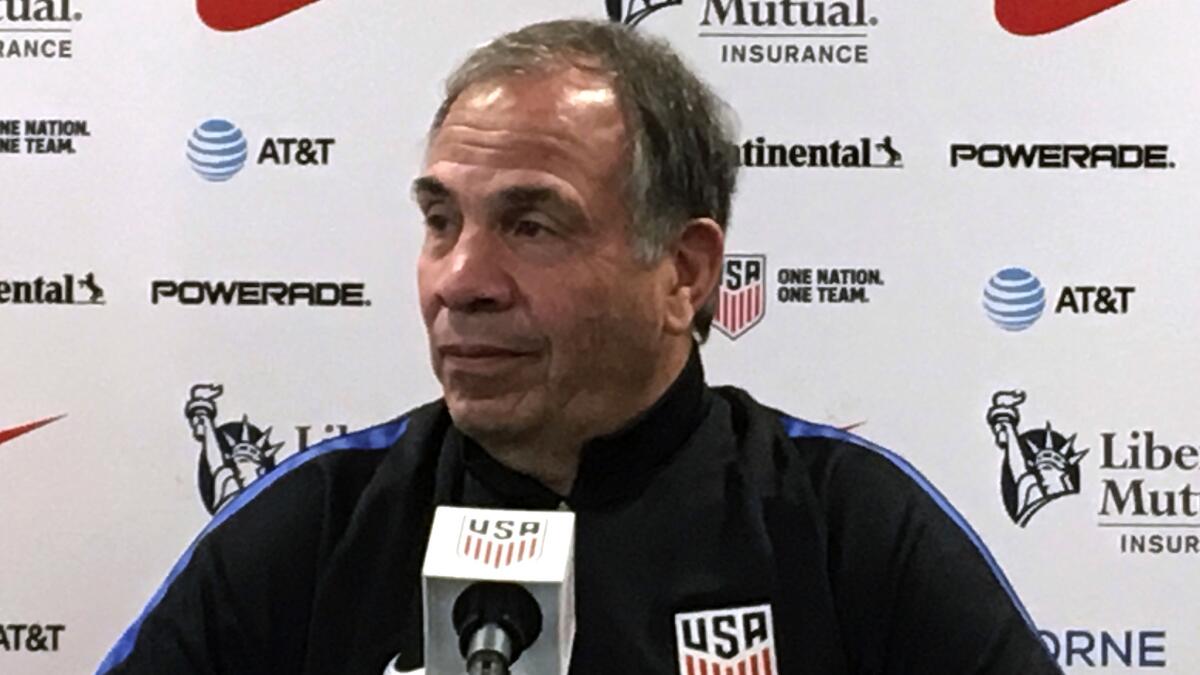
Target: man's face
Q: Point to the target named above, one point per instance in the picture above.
(540, 319)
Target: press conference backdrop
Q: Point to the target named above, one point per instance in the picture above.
(965, 228)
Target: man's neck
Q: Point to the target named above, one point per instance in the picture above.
(552, 457)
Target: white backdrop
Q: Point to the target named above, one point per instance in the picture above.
(96, 506)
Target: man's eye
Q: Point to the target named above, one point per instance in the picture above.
(529, 227)
(436, 222)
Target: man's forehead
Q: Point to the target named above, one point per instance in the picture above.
(559, 98)
(564, 126)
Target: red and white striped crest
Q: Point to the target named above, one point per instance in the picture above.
(726, 642)
(500, 543)
(742, 301)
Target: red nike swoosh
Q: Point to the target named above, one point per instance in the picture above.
(1034, 17)
(7, 435)
(242, 14)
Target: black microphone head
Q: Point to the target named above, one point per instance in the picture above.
(509, 606)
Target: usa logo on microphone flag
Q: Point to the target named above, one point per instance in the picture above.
(726, 642)
(742, 300)
(500, 543)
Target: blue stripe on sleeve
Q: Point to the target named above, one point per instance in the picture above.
(379, 437)
(797, 428)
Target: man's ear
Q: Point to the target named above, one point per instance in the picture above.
(697, 255)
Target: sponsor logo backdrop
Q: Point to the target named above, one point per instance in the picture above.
(964, 228)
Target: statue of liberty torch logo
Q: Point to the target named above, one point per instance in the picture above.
(1040, 465)
(232, 455)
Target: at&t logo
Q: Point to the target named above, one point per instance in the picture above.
(1014, 298)
(217, 150)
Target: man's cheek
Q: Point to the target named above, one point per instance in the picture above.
(426, 306)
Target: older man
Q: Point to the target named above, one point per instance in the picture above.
(575, 195)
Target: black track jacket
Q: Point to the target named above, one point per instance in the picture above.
(707, 501)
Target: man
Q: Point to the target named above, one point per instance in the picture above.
(575, 194)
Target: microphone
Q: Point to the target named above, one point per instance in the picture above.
(495, 623)
(499, 592)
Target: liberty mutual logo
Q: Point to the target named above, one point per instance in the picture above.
(771, 32)
(631, 12)
(1040, 465)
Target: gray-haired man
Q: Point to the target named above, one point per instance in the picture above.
(575, 194)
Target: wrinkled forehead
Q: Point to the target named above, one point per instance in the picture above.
(569, 105)
(566, 125)
(539, 85)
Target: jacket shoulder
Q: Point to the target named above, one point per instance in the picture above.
(327, 481)
(891, 534)
(270, 539)
(817, 448)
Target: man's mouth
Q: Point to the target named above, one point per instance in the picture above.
(480, 351)
(483, 359)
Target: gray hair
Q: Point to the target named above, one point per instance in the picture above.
(683, 160)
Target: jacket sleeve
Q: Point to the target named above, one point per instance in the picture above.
(237, 600)
(917, 590)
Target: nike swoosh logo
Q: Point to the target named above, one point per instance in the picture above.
(230, 15)
(1034, 17)
(7, 435)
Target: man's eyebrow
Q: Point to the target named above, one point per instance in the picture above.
(531, 195)
(428, 186)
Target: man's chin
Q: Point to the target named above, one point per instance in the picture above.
(490, 419)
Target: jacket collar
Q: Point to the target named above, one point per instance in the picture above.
(612, 468)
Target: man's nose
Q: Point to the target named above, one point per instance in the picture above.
(476, 277)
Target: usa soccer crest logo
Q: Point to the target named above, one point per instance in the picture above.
(742, 300)
(726, 642)
(500, 543)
